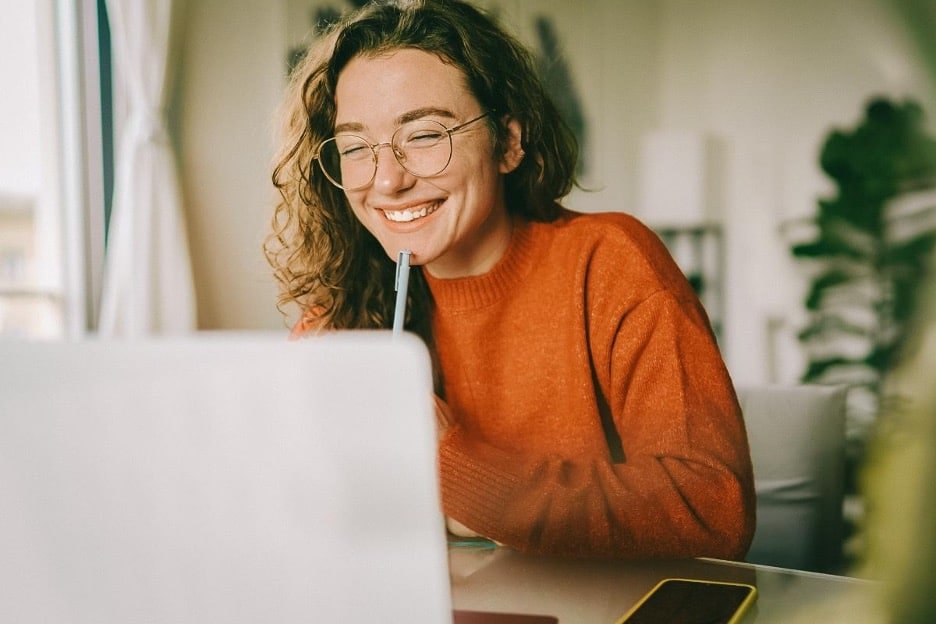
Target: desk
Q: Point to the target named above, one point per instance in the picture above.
(599, 592)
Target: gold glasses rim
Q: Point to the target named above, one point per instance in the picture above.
(375, 149)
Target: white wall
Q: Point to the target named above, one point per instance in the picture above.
(766, 80)
(233, 65)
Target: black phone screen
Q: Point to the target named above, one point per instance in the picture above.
(678, 601)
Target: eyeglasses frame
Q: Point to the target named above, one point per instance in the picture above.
(375, 148)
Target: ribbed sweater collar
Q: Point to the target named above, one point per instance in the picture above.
(466, 293)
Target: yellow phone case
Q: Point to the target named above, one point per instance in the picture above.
(735, 618)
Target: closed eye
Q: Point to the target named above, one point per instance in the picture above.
(355, 151)
(424, 138)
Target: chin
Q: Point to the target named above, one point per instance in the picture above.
(420, 255)
(394, 247)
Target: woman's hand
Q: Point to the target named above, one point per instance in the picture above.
(444, 416)
(457, 528)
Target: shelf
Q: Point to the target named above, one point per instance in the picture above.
(698, 250)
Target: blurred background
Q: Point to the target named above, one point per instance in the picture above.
(784, 151)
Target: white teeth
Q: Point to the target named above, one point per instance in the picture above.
(405, 216)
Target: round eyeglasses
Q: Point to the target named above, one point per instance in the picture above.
(423, 147)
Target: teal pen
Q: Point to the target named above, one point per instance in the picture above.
(401, 286)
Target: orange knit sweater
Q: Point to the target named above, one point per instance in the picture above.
(593, 413)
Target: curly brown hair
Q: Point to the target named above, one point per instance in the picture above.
(322, 257)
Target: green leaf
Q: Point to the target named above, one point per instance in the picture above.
(914, 251)
(831, 324)
(818, 368)
(829, 248)
(823, 283)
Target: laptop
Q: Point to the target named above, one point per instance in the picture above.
(220, 478)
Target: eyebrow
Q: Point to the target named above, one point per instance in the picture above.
(419, 113)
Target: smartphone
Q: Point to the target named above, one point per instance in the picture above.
(692, 601)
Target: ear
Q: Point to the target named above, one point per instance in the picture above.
(513, 151)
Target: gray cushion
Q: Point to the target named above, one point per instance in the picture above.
(797, 438)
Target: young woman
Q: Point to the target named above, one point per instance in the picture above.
(584, 408)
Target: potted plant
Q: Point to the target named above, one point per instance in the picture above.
(869, 253)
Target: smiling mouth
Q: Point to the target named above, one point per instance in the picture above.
(406, 216)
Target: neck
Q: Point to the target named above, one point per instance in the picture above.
(490, 243)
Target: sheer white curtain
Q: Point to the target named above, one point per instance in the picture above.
(148, 286)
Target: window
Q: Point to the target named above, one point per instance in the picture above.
(52, 182)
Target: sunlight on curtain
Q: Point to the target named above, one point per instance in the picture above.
(148, 286)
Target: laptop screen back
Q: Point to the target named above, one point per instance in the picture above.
(222, 479)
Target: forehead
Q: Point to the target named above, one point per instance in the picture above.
(375, 91)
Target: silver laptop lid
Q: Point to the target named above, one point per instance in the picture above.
(220, 479)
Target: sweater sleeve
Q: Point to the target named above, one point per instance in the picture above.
(684, 487)
(308, 324)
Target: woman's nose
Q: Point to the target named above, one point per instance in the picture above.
(391, 177)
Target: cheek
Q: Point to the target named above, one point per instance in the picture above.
(482, 182)
(357, 206)
(475, 176)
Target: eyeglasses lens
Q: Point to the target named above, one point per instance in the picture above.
(422, 147)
